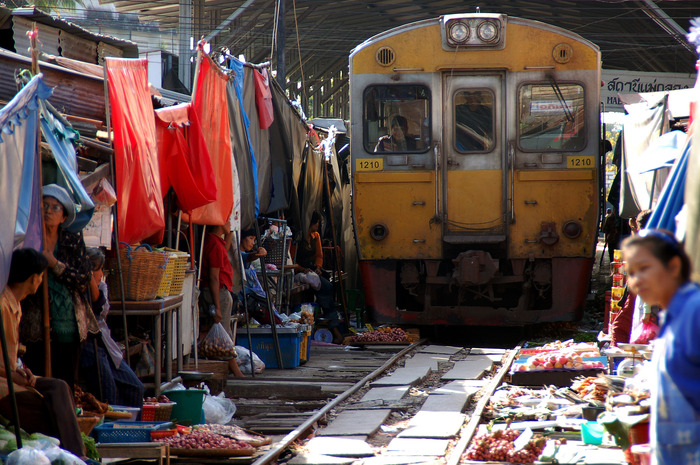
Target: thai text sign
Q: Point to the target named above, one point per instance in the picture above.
(631, 82)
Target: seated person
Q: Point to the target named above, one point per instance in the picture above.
(106, 375)
(309, 256)
(473, 122)
(253, 291)
(398, 140)
(45, 404)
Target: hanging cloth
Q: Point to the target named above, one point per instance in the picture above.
(185, 164)
(139, 199)
(209, 103)
(19, 134)
(263, 98)
(60, 139)
(242, 148)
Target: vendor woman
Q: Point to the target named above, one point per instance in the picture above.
(659, 273)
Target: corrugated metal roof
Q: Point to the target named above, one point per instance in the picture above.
(48, 42)
(129, 48)
(77, 48)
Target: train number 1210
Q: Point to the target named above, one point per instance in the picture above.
(579, 161)
(369, 164)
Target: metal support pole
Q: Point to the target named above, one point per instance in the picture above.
(245, 303)
(184, 53)
(338, 284)
(281, 71)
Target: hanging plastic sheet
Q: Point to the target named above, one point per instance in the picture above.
(263, 98)
(139, 199)
(209, 102)
(60, 139)
(19, 134)
(259, 141)
(242, 151)
(672, 196)
(185, 164)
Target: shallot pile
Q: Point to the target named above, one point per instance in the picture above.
(204, 440)
(498, 446)
(382, 335)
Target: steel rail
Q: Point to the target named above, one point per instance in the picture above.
(275, 451)
(469, 430)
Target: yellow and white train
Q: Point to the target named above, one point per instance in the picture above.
(475, 158)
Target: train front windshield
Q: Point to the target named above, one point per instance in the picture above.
(397, 118)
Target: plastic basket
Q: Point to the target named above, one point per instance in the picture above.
(128, 431)
(174, 274)
(276, 255)
(142, 271)
(157, 412)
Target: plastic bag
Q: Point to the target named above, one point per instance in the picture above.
(103, 194)
(310, 278)
(644, 333)
(146, 366)
(28, 456)
(243, 361)
(218, 409)
(59, 456)
(217, 344)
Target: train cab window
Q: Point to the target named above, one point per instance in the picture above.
(551, 117)
(474, 120)
(397, 118)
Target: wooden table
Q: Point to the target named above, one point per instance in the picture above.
(136, 450)
(157, 308)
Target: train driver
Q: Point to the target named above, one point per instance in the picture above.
(398, 139)
(473, 122)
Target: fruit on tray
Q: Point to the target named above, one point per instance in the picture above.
(163, 399)
(499, 446)
(382, 335)
(200, 439)
(559, 360)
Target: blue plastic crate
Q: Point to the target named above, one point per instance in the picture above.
(264, 347)
(128, 431)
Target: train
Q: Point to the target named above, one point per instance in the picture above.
(475, 153)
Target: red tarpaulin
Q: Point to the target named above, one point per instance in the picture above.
(209, 102)
(139, 199)
(184, 157)
(263, 98)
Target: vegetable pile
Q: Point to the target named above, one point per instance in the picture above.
(201, 439)
(382, 335)
(499, 446)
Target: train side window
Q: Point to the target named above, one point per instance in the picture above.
(397, 118)
(551, 117)
(474, 120)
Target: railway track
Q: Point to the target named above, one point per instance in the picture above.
(412, 401)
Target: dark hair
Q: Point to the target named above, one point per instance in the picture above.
(26, 263)
(663, 245)
(399, 121)
(247, 233)
(96, 257)
(315, 218)
(642, 218)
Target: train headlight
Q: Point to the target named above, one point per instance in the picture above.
(459, 32)
(572, 229)
(487, 31)
(378, 231)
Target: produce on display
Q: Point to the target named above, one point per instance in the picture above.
(237, 433)
(217, 344)
(163, 399)
(201, 439)
(500, 446)
(382, 335)
(591, 388)
(88, 402)
(560, 360)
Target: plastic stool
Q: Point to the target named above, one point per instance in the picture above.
(356, 303)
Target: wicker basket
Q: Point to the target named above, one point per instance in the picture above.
(87, 423)
(157, 412)
(174, 275)
(142, 271)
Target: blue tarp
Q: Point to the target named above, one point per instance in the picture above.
(19, 149)
(60, 141)
(672, 195)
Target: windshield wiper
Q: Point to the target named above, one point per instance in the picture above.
(560, 96)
